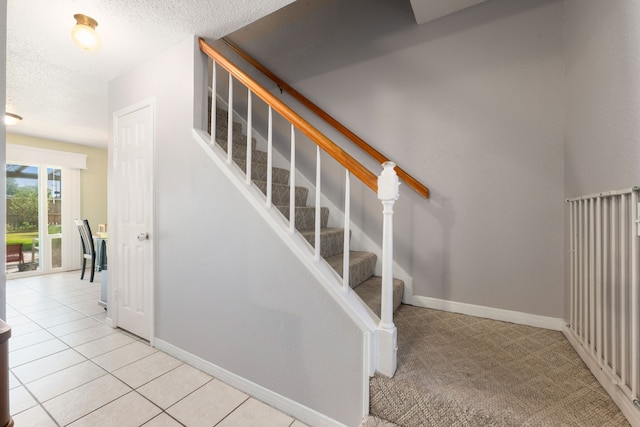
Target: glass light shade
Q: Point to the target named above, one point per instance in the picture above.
(84, 33)
(11, 119)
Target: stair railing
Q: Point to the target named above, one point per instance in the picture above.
(386, 187)
(409, 180)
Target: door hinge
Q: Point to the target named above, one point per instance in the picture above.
(116, 294)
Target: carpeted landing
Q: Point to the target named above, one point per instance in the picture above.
(457, 370)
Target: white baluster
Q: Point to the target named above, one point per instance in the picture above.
(269, 157)
(318, 210)
(585, 271)
(387, 333)
(292, 183)
(605, 276)
(633, 282)
(598, 279)
(624, 315)
(249, 135)
(347, 222)
(213, 104)
(614, 284)
(230, 121)
(592, 276)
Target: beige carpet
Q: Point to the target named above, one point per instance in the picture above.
(456, 370)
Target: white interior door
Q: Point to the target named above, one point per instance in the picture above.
(131, 250)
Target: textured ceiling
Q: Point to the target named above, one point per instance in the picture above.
(61, 91)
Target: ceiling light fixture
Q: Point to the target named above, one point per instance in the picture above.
(84, 32)
(11, 119)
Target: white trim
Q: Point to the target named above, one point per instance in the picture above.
(619, 397)
(605, 194)
(553, 323)
(70, 203)
(370, 370)
(33, 155)
(282, 403)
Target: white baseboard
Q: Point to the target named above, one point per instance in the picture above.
(284, 404)
(628, 409)
(553, 323)
(109, 322)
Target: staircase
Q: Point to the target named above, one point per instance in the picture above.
(361, 264)
(453, 370)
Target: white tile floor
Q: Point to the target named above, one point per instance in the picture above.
(68, 368)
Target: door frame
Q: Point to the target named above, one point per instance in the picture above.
(112, 269)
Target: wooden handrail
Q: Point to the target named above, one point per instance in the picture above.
(341, 156)
(408, 179)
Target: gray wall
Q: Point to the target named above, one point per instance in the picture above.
(602, 147)
(472, 105)
(227, 289)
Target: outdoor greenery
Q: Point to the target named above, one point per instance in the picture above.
(25, 238)
(22, 216)
(23, 209)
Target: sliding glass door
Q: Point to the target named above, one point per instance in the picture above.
(34, 218)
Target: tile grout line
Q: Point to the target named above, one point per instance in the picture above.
(47, 299)
(233, 410)
(38, 403)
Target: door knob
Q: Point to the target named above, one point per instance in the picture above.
(143, 236)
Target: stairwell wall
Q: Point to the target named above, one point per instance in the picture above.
(227, 289)
(602, 147)
(472, 105)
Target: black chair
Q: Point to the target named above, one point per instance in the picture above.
(88, 248)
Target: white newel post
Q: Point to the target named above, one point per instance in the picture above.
(387, 333)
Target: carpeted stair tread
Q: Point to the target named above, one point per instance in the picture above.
(361, 266)
(238, 137)
(259, 172)
(239, 142)
(369, 292)
(458, 370)
(280, 193)
(305, 216)
(221, 120)
(240, 153)
(331, 240)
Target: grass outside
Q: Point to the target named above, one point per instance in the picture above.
(26, 238)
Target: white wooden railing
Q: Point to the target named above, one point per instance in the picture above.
(385, 186)
(605, 281)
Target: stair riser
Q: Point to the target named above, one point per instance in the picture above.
(305, 217)
(240, 153)
(280, 194)
(221, 120)
(371, 291)
(331, 241)
(361, 266)
(221, 124)
(259, 172)
(238, 138)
